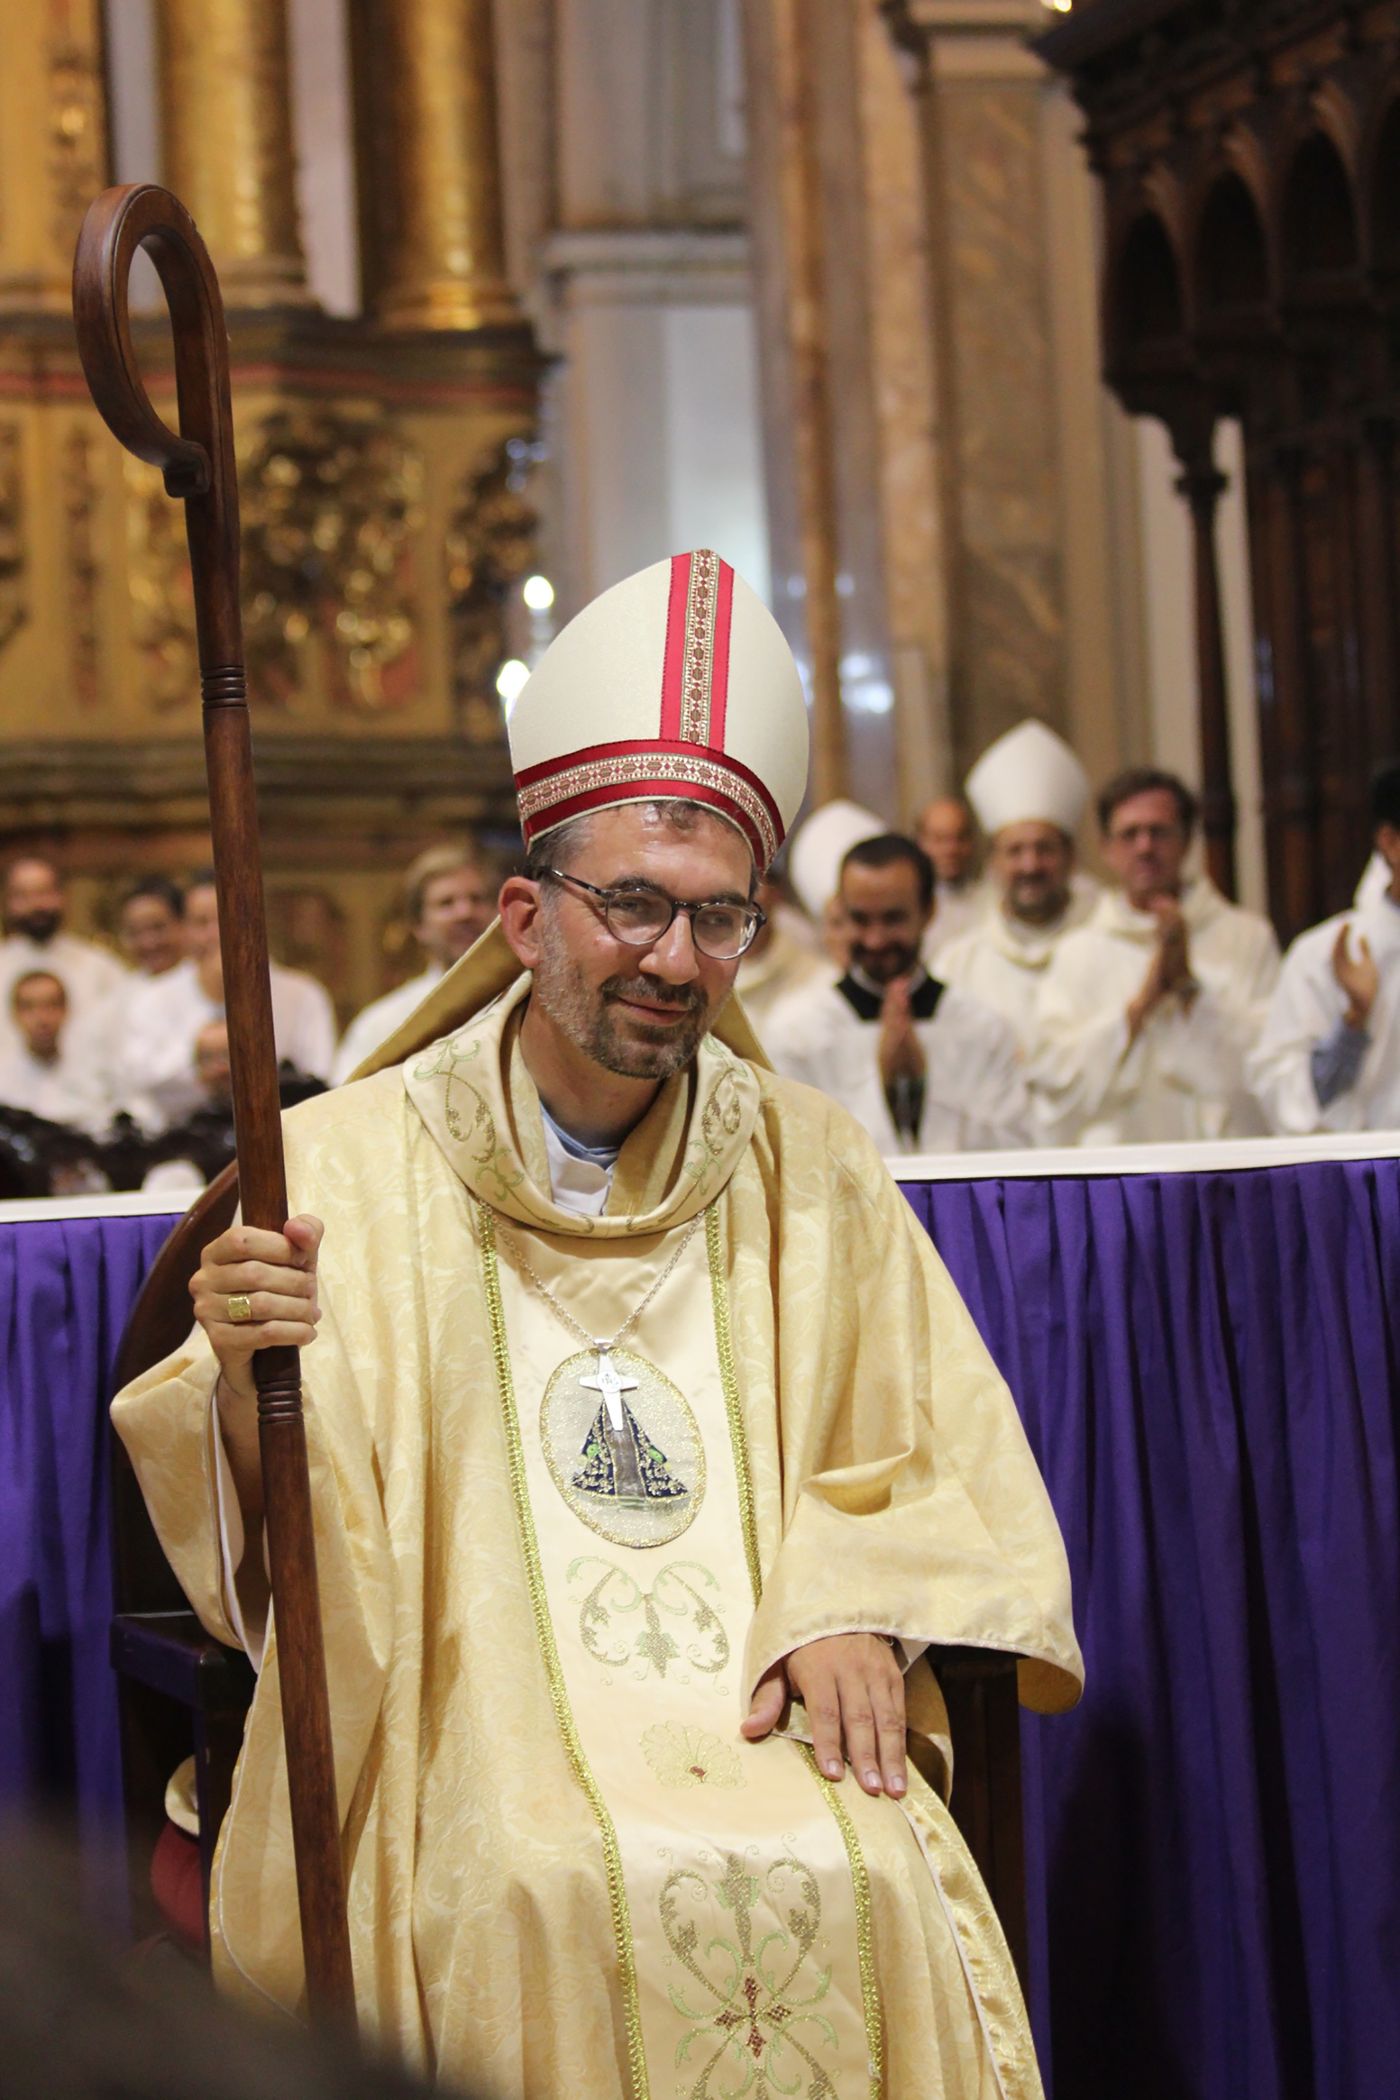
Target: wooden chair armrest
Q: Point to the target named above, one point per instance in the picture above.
(968, 1665)
(170, 1652)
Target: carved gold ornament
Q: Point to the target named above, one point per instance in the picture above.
(79, 496)
(162, 596)
(490, 546)
(13, 605)
(77, 139)
(331, 507)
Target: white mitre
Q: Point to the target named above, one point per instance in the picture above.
(675, 682)
(1030, 775)
(821, 844)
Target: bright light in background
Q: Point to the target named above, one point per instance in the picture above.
(1058, 7)
(509, 680)
(863, 690)
(538, 593)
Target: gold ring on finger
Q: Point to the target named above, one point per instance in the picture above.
(240, 1308)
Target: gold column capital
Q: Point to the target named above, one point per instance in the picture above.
(429, 164)
(226, 122)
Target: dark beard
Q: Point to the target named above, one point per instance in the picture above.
(905, 963)
(38, 926)
(589, 1021)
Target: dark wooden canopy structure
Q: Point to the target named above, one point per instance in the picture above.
(1249, 155)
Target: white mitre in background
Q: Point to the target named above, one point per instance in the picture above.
(821, 844)
(1030, 775)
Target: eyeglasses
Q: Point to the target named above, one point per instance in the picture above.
(639, 917)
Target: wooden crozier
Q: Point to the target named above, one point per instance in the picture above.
(198, 466)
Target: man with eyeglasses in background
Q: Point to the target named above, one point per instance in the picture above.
(1150, 1009)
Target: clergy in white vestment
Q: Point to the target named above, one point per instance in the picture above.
(650, 1446)
(1329, 1054)
(151, 936)
(151, 927)
(449, 901)
(819, 845)
(778, 962)
(156, 1077)
(1149, 1009)
(34, 904)
(1029, 792)
(45, 1071)
(923, 1066)
(948, 835)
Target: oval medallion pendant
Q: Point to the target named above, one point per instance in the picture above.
(623, 1447)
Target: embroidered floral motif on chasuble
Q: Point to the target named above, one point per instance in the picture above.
(568, 1873)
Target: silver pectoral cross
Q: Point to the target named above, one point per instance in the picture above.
(610, 1382)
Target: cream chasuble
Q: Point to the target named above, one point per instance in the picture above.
(547, 1600)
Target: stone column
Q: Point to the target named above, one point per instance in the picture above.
(795, 367)
(428, 154)
(53, 150)
(1202, 485)
(226, 122)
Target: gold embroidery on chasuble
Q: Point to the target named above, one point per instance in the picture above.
(642, 1648)
(743, 1911)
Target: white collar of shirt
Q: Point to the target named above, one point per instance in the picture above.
(578, 1184)
(877, 991)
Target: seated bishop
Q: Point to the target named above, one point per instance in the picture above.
(1029, 792)
(650, 1447)
(1329, 1054)
(922, 1065)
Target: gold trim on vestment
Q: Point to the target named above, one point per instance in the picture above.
(860, 1877)
(558, 1694)
(977, 1932)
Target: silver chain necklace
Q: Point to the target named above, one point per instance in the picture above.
(607, 1379)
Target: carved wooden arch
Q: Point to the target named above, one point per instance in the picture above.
(1378, 146)
(1124, 339)
(1296, 338)
(1310, 156)
(1237, 163)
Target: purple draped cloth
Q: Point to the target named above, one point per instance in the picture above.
(1206, 1364)
(66, 1288)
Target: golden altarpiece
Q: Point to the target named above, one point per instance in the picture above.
(382, 470)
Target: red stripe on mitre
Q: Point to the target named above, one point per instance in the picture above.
(649, 785)
(719, 655)
(673, 662)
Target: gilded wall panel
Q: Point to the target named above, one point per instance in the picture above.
(14, 605)
(164, 673)
(383, 529)
(79, 497)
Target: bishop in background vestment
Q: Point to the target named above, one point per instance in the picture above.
(602, 1437)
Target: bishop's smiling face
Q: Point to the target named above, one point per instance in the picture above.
(639, 1012)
